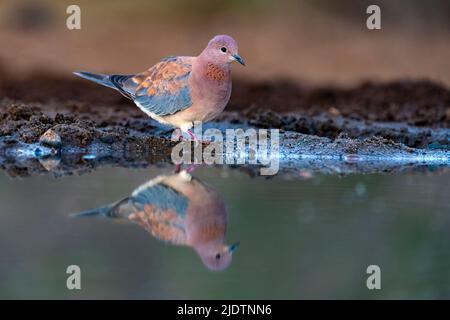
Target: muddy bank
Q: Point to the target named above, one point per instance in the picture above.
(417, 103)
(82, 118)
(414, 102)
(83, 145)
(299, 156)
(328, 126)
(324, 111)
(27, 122)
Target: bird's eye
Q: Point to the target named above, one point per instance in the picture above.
(218, 256)
(223, 49)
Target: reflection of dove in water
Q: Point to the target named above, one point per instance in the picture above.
(180, 210)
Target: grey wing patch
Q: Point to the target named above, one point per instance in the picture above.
(162, 197)
(166, 103)
(161, 211)
(122, 208)
(164, 89)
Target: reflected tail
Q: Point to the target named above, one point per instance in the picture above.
(101, 211)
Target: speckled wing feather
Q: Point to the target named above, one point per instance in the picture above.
(160, 210)
(163, 89)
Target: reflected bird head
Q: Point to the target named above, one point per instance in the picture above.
(179, 210)
(218, 257)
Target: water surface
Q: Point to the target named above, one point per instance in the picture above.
(299, 238)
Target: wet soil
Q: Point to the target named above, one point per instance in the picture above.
(415, 102)
(418, 103)
(83, 115)
(413, 108)
(279, 104)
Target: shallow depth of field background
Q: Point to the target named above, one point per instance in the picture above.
(316, 41)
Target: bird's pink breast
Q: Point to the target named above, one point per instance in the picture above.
(210, 89)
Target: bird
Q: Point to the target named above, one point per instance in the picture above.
(181, 210)
(180, 90)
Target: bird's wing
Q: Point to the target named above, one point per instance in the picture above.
(163, 225)
(163, 89)
(161, 211)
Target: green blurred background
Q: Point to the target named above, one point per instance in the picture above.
(309, 238)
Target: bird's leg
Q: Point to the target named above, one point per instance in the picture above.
(192, 135)
(195, 139)
(179, 134)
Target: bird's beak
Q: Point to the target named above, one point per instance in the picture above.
(233, 247)
(239, 59)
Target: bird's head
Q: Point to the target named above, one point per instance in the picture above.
(223, 49)
(218, 257)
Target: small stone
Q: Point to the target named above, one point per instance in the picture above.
(51, 138)
(334, 112)
(107, 138)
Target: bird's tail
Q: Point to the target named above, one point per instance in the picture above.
(99, 78)
(114, 81)
(101, 211)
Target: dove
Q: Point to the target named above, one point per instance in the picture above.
(180, 90)
(181, 210)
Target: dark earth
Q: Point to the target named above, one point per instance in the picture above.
(414, 113)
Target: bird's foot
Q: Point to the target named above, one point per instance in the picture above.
(195, 139)
(181, 137)
(178, 134)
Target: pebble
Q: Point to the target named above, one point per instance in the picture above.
(51, 138)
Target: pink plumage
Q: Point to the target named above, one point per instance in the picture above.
(180, 90)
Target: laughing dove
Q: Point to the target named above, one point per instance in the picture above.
(180, 90)
(180, 210)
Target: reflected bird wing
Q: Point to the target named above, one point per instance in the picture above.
(162, 211)
(158, 208)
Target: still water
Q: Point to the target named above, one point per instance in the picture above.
(299, 238)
